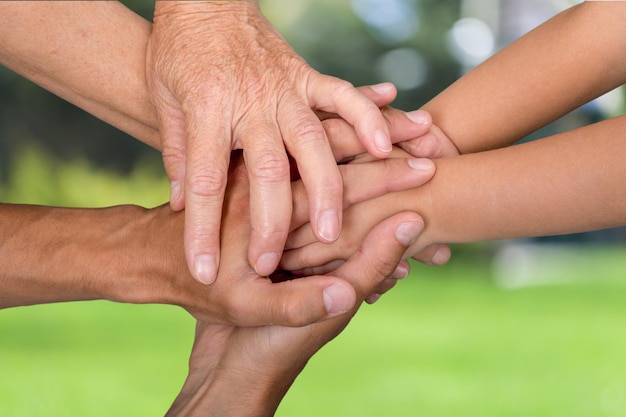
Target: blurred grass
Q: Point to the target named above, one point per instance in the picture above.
(38, 178)
(446, 342)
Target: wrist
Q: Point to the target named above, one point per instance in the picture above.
(151, 268)
(115, 254)
(178, 7)
(230, 393)
(52, 254)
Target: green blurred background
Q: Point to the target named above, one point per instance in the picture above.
(524, 328)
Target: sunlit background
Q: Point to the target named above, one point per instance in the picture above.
(518, 328)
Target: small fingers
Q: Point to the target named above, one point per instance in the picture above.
(381, 252)
(401, 272)
(402, 126)
(436, 255)
(379, 291)
(434, 144)
(363, 182)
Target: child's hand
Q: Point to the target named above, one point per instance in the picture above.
(414, 134)
(412, 131)
(307, 255)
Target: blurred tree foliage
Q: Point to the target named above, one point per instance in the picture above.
(30, 116)
(327, 33)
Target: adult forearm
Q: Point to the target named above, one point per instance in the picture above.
(572, 182)
(91, 53)
(573, 58)
(53, 254)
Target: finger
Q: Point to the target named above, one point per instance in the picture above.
(402, 127)
(363, 182)
(173, 142)
(379, 291)
(435, 144)
(307, 143)
(380, 253)
(319, 270)
(292, 303)
(337, 96)
(270, 194)
(208, 154)
(435, 255)
(381, 94)
(402, 271)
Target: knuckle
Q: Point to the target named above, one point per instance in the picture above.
(270, 232)
(270, 167)
(207, 184)
(378, 269)
(173, 155)
(237, 311)
(330, 190)
(341, 87)
(294, 313)
(310, 132)
(334, 128)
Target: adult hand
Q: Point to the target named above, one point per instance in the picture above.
(246, 371)
(222, 78)
(247, 298)
(411, 131)
(414, 135)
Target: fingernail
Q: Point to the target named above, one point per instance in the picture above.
(382, 88)
(266, 264)
(421, 164)
(174, 190)
(401, 272)
(372, 298)
(407, 232)
(440, 257)
(337, 299)
(419, 117)
(328, 225)
(382, 141)
(205, 268)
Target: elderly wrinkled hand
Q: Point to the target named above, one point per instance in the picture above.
(222, 78)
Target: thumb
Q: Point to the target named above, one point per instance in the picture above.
(294, 303)
(381, 94)
(381, 252)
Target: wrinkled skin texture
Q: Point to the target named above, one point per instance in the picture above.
(222, 78)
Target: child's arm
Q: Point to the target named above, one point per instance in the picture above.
(571, 182)
(569, 60)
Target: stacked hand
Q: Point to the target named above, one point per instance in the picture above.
(245, 371)
(222, 78)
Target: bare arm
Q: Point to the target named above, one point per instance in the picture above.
(54, 254)
(572, 182)
(571, 59)
(91, 53)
